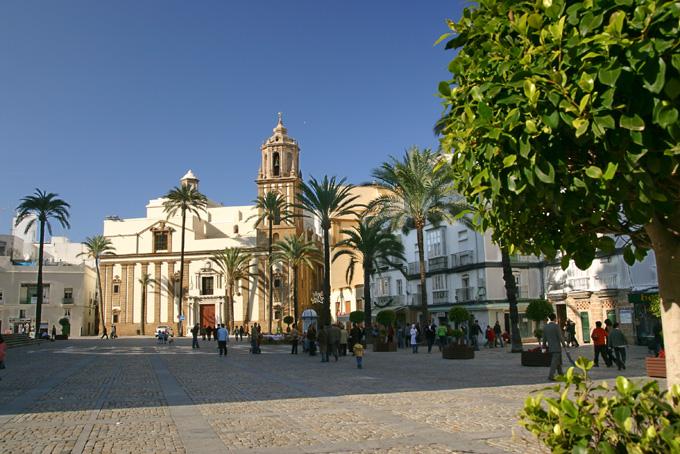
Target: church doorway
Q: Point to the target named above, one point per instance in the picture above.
(207, 315)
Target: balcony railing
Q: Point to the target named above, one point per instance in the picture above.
(414, 268)
(440, 297)
(524, 259)
(462, 258)
(392, 300)
(465, 294)
(608, 280)
(67, 300)
(438, 263)
(580, 283)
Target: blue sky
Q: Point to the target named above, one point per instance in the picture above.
(109, 103)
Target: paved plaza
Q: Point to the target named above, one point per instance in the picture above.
(133, 396)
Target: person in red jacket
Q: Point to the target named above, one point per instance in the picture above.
(490, 337)
(599, 337)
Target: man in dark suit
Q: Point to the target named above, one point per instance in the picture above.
(552, 336)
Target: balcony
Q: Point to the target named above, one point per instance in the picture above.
(437, 263)
(67, 300)
(462, 258)
(515, 259)
(414, 268)
(607, 280)
(465, 294)
(392, 300)
(580, 283)
(440, 297)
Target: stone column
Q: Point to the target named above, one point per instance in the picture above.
(124, 294)
(158, 288)
(130, 292)
(172, 317)
(107, 285)
(109, 304)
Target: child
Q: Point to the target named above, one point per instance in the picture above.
(358, 353)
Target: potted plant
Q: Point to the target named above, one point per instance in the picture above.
(288, 320)
(384, 343)
(65, 329)
(538, 311)
(356, 317)
(457, 349)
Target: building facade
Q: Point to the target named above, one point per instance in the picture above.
(150, 246)
(68, 293)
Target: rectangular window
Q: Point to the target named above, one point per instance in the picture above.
(382, 286)
(207, 285)
(439, 282)
(67, 312)
(348, 307)
(462, 235)
(3, 248)
(68, 296)
(160, 241)
(115, 318)
(116, 288)
(400, 287)
(2, 300)
(22, 313)
(28, 294)
(435, 243)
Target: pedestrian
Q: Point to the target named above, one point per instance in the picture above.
(497, 333)
(334, 341)
(571, 332)
(430, 334)
(194, 336)
(54, 332)
(400, 336)
(114, 335)
(209, 332)
(618, 343)
(599, 337)
(490, 337)
(105, 334)
(323, 343)
(294, 341)
(475, 331)
(311, 340)
(222, 336)
(358, 350)
(552, 336)
(442, 332)
(3, 352)
(355, 335)
(204, 331)
(240, 333)
(414, 338)
(343, 341)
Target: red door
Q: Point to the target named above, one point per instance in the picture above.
(207, 315)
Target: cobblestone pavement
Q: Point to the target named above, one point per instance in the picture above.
(133, 396)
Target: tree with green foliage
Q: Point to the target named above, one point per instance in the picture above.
(373, 246)
(297, 252)
(324, 200)
(386, 317)
(95, 247)
(458, 315)
(272, 209)
(184, 198)
(561, 123)
(235, 266)
(417, 191)
(42, 206)
(356, 316)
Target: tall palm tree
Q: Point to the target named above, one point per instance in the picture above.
(297, 252)
(372, 245)
(183, 198)
(44, 206)
(325, 200)
(235, 265)
(418, 191)
(95, 247)
(145, 280)
(272, 209)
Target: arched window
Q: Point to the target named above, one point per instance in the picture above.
(275, 237)
(276, 165)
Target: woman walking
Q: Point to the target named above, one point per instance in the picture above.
(414, 338)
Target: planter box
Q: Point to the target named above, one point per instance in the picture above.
(458, 352)
(536, 359)
(384, 346)
(656, 367)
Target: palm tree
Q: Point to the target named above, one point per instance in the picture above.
(272, 209)
(373, 246)
(235, 265)
(44, 206)
(418, 191)
(297, 252)
(145, 280)
(183, 198)
(95, 247)
(325, 200)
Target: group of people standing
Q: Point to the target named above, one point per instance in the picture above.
(331, 340)
(209, 332)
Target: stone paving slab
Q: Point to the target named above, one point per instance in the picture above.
(134, 396)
